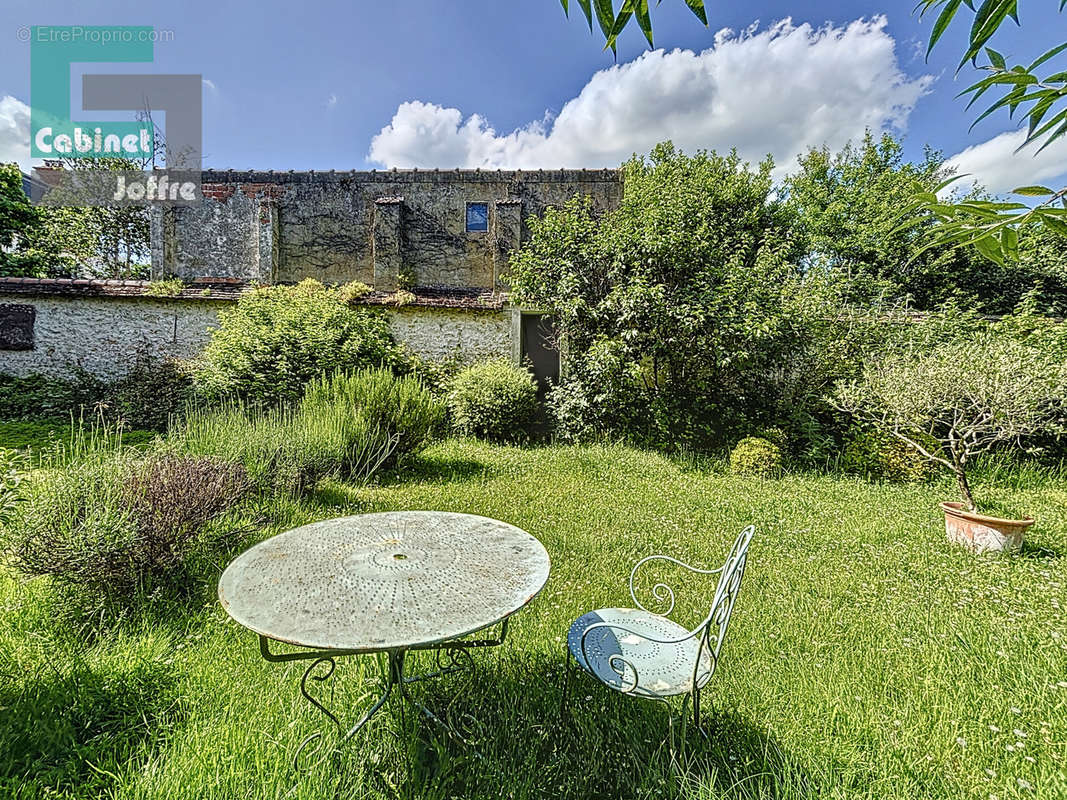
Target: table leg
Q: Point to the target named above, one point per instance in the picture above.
(392, 675)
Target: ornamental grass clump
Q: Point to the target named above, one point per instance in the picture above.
(957, 398)
(289, 450)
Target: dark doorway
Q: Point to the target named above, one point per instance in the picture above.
(538, 349)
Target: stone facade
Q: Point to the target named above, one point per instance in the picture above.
(103, 335)
(391, 230)
(102, 326)
(405, 228)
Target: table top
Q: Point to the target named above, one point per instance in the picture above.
(388, 581)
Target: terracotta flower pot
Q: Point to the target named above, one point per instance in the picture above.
(982, 533)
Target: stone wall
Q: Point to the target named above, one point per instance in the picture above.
(382, 228)
(103, 334)
(445, 333)
(51, 327)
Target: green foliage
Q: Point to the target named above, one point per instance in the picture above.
(289, 450)
(153, 393)
(677, 309)
(37, 396)
(18, 222)
(278, 338)
(116, 522)
(757, 456)
(848, 205)
(612, 24)
(970, 389)
(875, 454)
(11, 468)
(399, 407)
(993, 227)
(494, 400)
(171, 287)
(353, 291)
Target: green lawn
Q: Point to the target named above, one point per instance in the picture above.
(867, 657)
(41, 435)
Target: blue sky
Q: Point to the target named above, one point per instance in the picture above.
(513, 83)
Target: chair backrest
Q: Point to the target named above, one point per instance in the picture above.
(713, 629)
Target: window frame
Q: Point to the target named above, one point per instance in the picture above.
(466, 216)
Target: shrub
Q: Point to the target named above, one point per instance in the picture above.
(996, 386)
(494, 400)
(756, 456)
(278, 338)
(874, 454)
(116, 521)
(375, 399)
(151, 394)
(686, 298)
(37, 396)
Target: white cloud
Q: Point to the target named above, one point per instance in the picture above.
(15, 133)
(777, 90)
(995, 165)
(209, 84)
(331, 101)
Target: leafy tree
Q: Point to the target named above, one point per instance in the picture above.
(672, 308)
(80, 240)
(19, 221)
(848, 205)
(985, 386)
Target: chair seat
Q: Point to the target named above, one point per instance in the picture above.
(662, 670)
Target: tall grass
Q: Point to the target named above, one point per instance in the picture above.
(867, 658)
(347, 426)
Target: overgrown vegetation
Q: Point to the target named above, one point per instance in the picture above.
(278, 338)
(146, 397)
(965, 390)
(673, 308)
(866, 657)
(116, 520)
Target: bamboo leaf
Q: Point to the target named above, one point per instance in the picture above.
(1033, 191)
(697, 7)
(587, 9)
(1055, 51)
(989, 247)
(942, 23)
(1009, 243)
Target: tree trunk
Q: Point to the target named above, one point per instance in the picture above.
(965, 490)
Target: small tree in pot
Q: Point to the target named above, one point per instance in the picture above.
(958, 398)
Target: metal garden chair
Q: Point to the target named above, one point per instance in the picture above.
(638, 652)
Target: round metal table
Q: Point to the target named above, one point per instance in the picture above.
(390, 582)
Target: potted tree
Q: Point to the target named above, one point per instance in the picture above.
(957, 398)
